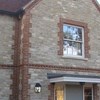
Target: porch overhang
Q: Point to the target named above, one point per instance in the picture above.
(54, 78)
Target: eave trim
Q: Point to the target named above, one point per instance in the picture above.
(17, 13)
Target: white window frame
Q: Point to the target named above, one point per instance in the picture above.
(76, 56)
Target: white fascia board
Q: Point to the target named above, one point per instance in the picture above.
(75, 79)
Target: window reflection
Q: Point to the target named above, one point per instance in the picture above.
(71, 32)
(72, 40)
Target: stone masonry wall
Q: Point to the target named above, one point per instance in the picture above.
(5, 83)
(40, 76)
(44, 39)
(6, 33)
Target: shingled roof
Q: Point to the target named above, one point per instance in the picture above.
(12, 6)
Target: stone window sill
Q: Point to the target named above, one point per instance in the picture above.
(76, 58)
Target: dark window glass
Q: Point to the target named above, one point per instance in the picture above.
(88, 93)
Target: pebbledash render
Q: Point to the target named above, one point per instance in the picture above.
(53, 44)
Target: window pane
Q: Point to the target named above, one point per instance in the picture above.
(78, 48)
(88, 98)
(88, 93)
(72, 32)
(68, 48)
(72, 48)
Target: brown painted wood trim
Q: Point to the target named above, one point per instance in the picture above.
(63, 68)
(96, 4)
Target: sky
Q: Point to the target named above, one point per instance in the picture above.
(98, 1)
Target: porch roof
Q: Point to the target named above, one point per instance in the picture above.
(54, 78)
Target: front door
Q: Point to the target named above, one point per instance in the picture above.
(74, 92)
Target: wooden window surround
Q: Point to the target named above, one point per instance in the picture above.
(73, 23)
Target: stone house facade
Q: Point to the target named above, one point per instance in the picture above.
(54, 43)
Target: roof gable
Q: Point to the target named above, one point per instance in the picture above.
(16, 7)
(12, 5)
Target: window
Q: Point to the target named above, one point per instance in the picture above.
(88, 93)
(73, 39)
